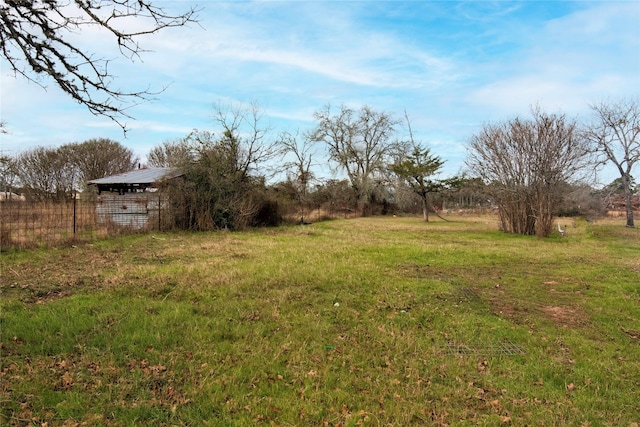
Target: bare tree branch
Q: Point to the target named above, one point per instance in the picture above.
(244, 136)
(34, 40)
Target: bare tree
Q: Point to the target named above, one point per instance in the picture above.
(35, 41)
(525, 164)
(98, 158)
(614, 135)
(360, 142)
(56, 172)
(45, 173)
(8, 173)
(299, 168)
(243, 136)
(171, 154)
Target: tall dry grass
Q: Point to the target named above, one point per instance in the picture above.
(28, 224)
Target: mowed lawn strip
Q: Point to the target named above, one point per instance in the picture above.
(372, 321)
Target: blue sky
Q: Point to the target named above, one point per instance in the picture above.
(453, 66)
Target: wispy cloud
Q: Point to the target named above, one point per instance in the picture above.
(452, 66)
(570, 60)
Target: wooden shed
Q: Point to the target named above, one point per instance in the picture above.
(133, 199)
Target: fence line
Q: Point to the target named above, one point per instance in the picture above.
(26, 224)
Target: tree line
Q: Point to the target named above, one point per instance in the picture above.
(54, 173)
(529, 168)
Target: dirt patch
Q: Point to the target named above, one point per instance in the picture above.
(633, 334)
(511, 308)
(49, 296)
(564, 316)
(448, 274)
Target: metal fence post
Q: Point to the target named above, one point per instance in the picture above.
(75, 213)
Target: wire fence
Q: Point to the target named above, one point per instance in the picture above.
(28, 224)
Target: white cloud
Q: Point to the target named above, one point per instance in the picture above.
(572, 61)
(452, 66)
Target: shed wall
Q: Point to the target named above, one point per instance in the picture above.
(137, 211)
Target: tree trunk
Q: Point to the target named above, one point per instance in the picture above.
(425, 210)
(628, 199)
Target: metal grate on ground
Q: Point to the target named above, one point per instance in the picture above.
(505, 348)
(469, 294)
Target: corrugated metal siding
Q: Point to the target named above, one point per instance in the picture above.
(132, 210)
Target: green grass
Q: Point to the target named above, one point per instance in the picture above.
(347, 322)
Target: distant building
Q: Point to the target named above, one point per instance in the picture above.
(9, 196)
(132, 199)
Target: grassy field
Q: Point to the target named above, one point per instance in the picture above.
(372, 321)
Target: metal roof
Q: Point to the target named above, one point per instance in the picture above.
(139, 176)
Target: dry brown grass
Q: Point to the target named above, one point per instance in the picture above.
(30, 224)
